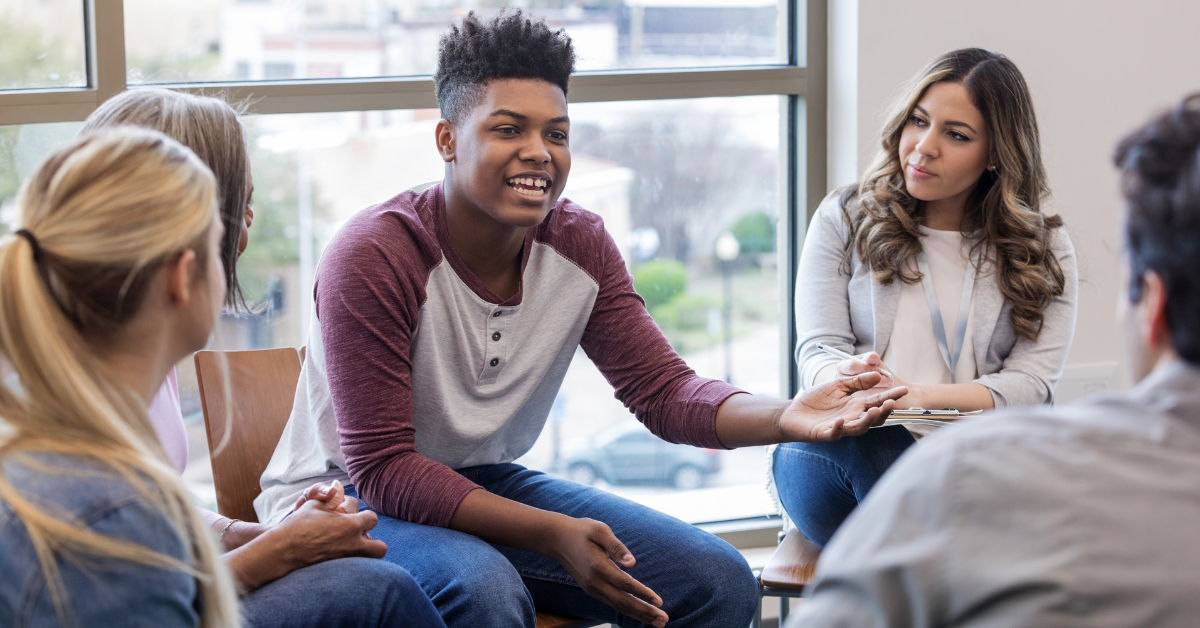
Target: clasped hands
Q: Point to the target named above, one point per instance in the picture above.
(325, 524)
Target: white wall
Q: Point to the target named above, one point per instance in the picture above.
(1096, 68)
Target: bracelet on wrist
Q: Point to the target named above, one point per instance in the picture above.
(221, 537)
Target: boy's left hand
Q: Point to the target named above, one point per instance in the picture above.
(845, 406)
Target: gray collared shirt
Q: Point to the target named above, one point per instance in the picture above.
(1086, 515)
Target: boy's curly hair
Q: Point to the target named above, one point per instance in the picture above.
(510, 45)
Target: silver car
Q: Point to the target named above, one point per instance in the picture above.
(629, 454)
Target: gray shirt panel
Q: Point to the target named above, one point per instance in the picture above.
(468, 412)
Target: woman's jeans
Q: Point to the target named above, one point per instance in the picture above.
(700, 578)
(820, 484)
(347, 592)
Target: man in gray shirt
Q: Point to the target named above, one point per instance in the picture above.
(1087, 515)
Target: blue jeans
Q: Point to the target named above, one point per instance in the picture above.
(347, 592)
(700, 578)
(820, 484)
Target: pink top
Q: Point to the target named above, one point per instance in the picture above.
(167, 418)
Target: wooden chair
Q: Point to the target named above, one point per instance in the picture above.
(263, 387)
(550, 620)
(788, 571)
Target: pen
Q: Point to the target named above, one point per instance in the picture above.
(838, 353)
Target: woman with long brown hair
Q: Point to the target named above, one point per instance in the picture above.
(938, 269)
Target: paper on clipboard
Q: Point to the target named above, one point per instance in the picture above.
(921, 416)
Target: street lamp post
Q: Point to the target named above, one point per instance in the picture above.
(302, 144)
(727, 249)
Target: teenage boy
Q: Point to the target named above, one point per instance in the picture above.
(446, 319)
(1080, 516)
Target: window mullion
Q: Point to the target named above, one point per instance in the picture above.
(106, 47)
(807, 116)
(816, 62)
(418, 92)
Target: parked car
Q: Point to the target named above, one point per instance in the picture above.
(629, 454)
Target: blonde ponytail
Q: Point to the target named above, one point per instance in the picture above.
(99, 218)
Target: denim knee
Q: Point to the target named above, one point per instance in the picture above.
(720, 588)
(873, 451)
(398, 596)
(820, 484)
(341, 593)
(735, 589)
(489, 593)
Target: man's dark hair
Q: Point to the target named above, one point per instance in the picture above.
(1160, 178)
(508, 46)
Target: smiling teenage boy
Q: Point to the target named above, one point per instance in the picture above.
(446, 319)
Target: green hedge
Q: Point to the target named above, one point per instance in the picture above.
(659, 281)
(686, 312)
(755, 232)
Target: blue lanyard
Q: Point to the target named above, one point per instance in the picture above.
(935, 311)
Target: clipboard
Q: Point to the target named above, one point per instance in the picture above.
(921, 416)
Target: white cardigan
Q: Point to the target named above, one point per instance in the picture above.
(856, 314)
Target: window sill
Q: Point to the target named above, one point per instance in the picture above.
(747, 534)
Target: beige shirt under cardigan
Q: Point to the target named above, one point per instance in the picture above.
(913, 353)
(857, 314)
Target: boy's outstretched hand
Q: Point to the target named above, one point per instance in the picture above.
(846, 406)
(843, 407)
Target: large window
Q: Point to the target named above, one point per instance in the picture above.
(186, 40)
(22, 148)
(42, 44)
(690, 136)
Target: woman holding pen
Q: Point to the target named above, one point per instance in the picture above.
(939, 270)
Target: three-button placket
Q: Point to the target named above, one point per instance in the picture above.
(499, 321)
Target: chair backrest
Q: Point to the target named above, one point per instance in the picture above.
(263, 387)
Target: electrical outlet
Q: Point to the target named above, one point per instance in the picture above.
(1086, 380)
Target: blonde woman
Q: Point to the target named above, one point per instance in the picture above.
(938, 268)
(113, 277)
(302, 572)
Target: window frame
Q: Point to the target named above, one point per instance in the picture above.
(802, 81)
